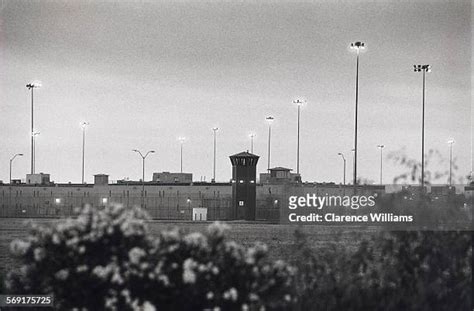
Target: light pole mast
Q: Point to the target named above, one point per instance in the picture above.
(381, 161)
(83, 125)
(34, 150)
(299, 103)
(344, 175)
(424, 69)
(181, 141)
(143, 170)
(11, 160)
(31, 86)
(356, 46)
(251, 141)
(215, 129)
(269, 120)
(451, 142)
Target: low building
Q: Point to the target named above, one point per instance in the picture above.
(173, 178)
(37, 179)
(278, 175)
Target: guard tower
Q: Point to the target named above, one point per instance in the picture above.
(244, 168)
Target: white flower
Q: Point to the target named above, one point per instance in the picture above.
(164, 280)
(102, 272)
(230, 294)
(257, 250)
(217, 229)
(195, 239)
(210, 295)
(39, 253)
(56, 239)
(62, 274)
(147, 306)
(287, 297)
(253, 297)
(19, 247)
(188, 271)
(135, 254)
(117, 278)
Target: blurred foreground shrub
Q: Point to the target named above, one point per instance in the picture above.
(410, 270)
(105, 260)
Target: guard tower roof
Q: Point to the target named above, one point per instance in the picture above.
(279, 168)
(244, 154)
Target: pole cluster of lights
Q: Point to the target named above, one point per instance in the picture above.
(31, 86)
(424, 69)
(357, 47)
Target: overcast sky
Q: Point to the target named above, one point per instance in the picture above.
(145, 73)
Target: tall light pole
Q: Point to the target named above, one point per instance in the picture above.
(299, 103)
(11, 161)
(181, 142)
(344, 159)
(381, 160)
(269, 120)
(357, 47)
(143, 169)
(34, 150)
(251, 141)
(215, 129)
(31, 86)
(83, 125)
(424, 69)
(353, 160)
(450, 142)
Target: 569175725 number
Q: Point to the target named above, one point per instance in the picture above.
(26, 300)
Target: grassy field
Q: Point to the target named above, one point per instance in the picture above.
(279, 238)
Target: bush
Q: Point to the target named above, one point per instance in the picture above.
(106, 260)
(417, 270)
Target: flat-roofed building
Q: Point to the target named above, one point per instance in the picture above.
(279, 175)
(173, 178)
(37, 179)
